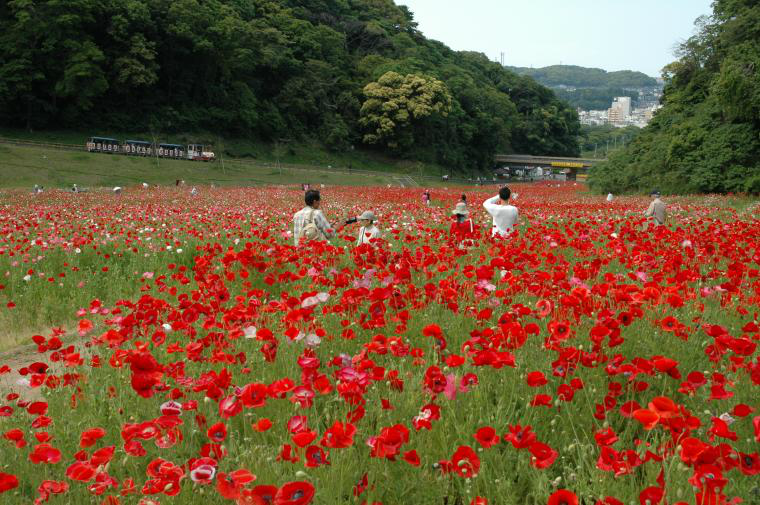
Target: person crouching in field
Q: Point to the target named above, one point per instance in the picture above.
(310, 223)
(462, 228)
(368, 230)
(504, 215)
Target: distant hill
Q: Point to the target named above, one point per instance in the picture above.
(583, 77)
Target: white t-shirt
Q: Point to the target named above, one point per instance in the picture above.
(367, 233)
(504, 216)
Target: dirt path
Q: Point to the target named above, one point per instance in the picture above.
(13, 381)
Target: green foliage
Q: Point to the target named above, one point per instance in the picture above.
(582, 77)
(604, 139)
(395, 104)
(706, 138)
(266, 70)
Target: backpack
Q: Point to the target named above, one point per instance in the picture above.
(310, 230)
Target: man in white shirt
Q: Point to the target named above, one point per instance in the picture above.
(504, 215)
(310, 223)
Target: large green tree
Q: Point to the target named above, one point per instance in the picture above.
(397, 105)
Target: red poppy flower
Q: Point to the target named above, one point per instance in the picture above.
(217, 433)
(262, 425)
(749, 464)
(465, 462)
(294, 493)
(412, 458)
(230, 486)
(79, 471)
(89, 437)
(339, 436)
(669, 323)
(304, 438)
(486, 437)
(316, 456)
(653, 495)
(7, 482)
(259, 495)
(16, 436)
(541, 401)
(519, 437)
(543, 455)
(647, 418)
(562, 497)
(45, 453)
(742, 410)
(536, 379)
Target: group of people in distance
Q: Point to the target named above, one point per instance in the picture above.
(310, 222)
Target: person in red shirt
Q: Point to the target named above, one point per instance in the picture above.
(462, 228)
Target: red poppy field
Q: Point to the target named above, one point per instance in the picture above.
(197, 356)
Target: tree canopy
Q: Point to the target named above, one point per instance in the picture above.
(706, 138)
(268, 70)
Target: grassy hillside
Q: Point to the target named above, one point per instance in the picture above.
(24, 166)
(299, 153)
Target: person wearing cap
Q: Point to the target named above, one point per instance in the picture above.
(657, 210)
(368, 230)
(462, 228)
(504, 215)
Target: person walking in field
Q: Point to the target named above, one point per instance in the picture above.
(310, 223)
(504, 215)
(657, 209)
(462, 228)
(426, 198)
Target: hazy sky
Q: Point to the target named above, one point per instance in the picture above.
(609, 34)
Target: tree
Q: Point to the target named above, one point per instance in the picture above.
(397, 104)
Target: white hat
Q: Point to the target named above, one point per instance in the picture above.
(367, 214)
(461, 209)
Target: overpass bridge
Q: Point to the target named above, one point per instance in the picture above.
(527, 165)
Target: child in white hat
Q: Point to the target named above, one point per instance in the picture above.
(463, 227)
(368, 230)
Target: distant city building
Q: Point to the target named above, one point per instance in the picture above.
(620, 110)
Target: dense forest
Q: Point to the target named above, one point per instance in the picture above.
(706, 138)
(346, 73)
(582, 77)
